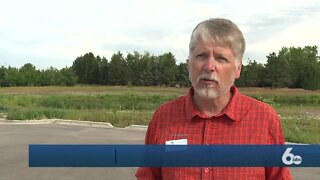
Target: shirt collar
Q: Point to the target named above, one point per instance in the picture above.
(232, 110)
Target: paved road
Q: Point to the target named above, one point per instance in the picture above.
(14, 141)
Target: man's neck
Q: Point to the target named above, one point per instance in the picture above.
(212, 107)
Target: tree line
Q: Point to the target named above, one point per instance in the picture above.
(292, 67)
(28, 75)
(133, 69)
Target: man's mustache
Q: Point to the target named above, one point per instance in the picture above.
(208, 77)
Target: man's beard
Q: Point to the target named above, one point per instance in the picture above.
(210, 92)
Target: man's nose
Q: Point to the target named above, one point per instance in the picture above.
(210, 64)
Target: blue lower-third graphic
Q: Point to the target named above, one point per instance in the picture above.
(173, 155)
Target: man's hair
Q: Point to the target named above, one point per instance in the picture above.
(221, 32)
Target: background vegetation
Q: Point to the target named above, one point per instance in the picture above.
(293, 67)
(136, 84)
(125, 105)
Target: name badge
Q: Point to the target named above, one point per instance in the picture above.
(177, 142)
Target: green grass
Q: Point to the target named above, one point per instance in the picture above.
(82, 101)
(119, 109)
(39, 113)
(106, 101)
(116, 118)
(123, 106)
(138, 90)
(303, 130)
(289, 99)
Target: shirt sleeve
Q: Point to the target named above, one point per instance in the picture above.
(281, 173)
(148, 173)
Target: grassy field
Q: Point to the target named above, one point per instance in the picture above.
(123, 106)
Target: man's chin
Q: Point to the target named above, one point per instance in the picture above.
(206, 93)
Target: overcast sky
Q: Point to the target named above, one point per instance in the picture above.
(55, 32)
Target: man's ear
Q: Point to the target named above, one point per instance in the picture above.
(238, 72)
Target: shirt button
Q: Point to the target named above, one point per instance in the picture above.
(209, 121)
(206, 170)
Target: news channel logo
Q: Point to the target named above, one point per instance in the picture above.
(288, 158)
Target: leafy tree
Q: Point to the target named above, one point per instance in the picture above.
(104, 71)
(3, 72)
(168, 68)
(13, 77)
(30, 74)
(49, 77)
(135, 68)
(150, 75)
(252, 75)
(67, 77)
(183, 75)
(87, 69)
(118, 70)
(304, 67)
(277, 70)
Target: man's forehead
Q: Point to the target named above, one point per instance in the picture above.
(206, 45)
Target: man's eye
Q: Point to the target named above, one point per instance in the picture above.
(202, 56)
(222, 59)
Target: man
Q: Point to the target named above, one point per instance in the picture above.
(214, 111)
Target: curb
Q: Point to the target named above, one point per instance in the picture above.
(137, 127)
(83, 123)
(70, 122)
(41, 121)
(58, 121)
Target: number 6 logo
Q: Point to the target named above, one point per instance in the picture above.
(288, 158)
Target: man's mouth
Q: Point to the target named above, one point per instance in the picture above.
(208, 81)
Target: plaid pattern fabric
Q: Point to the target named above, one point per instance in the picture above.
(244, 121)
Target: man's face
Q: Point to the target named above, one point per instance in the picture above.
(212, 70)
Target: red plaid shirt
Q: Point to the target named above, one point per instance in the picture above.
(243, 121)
